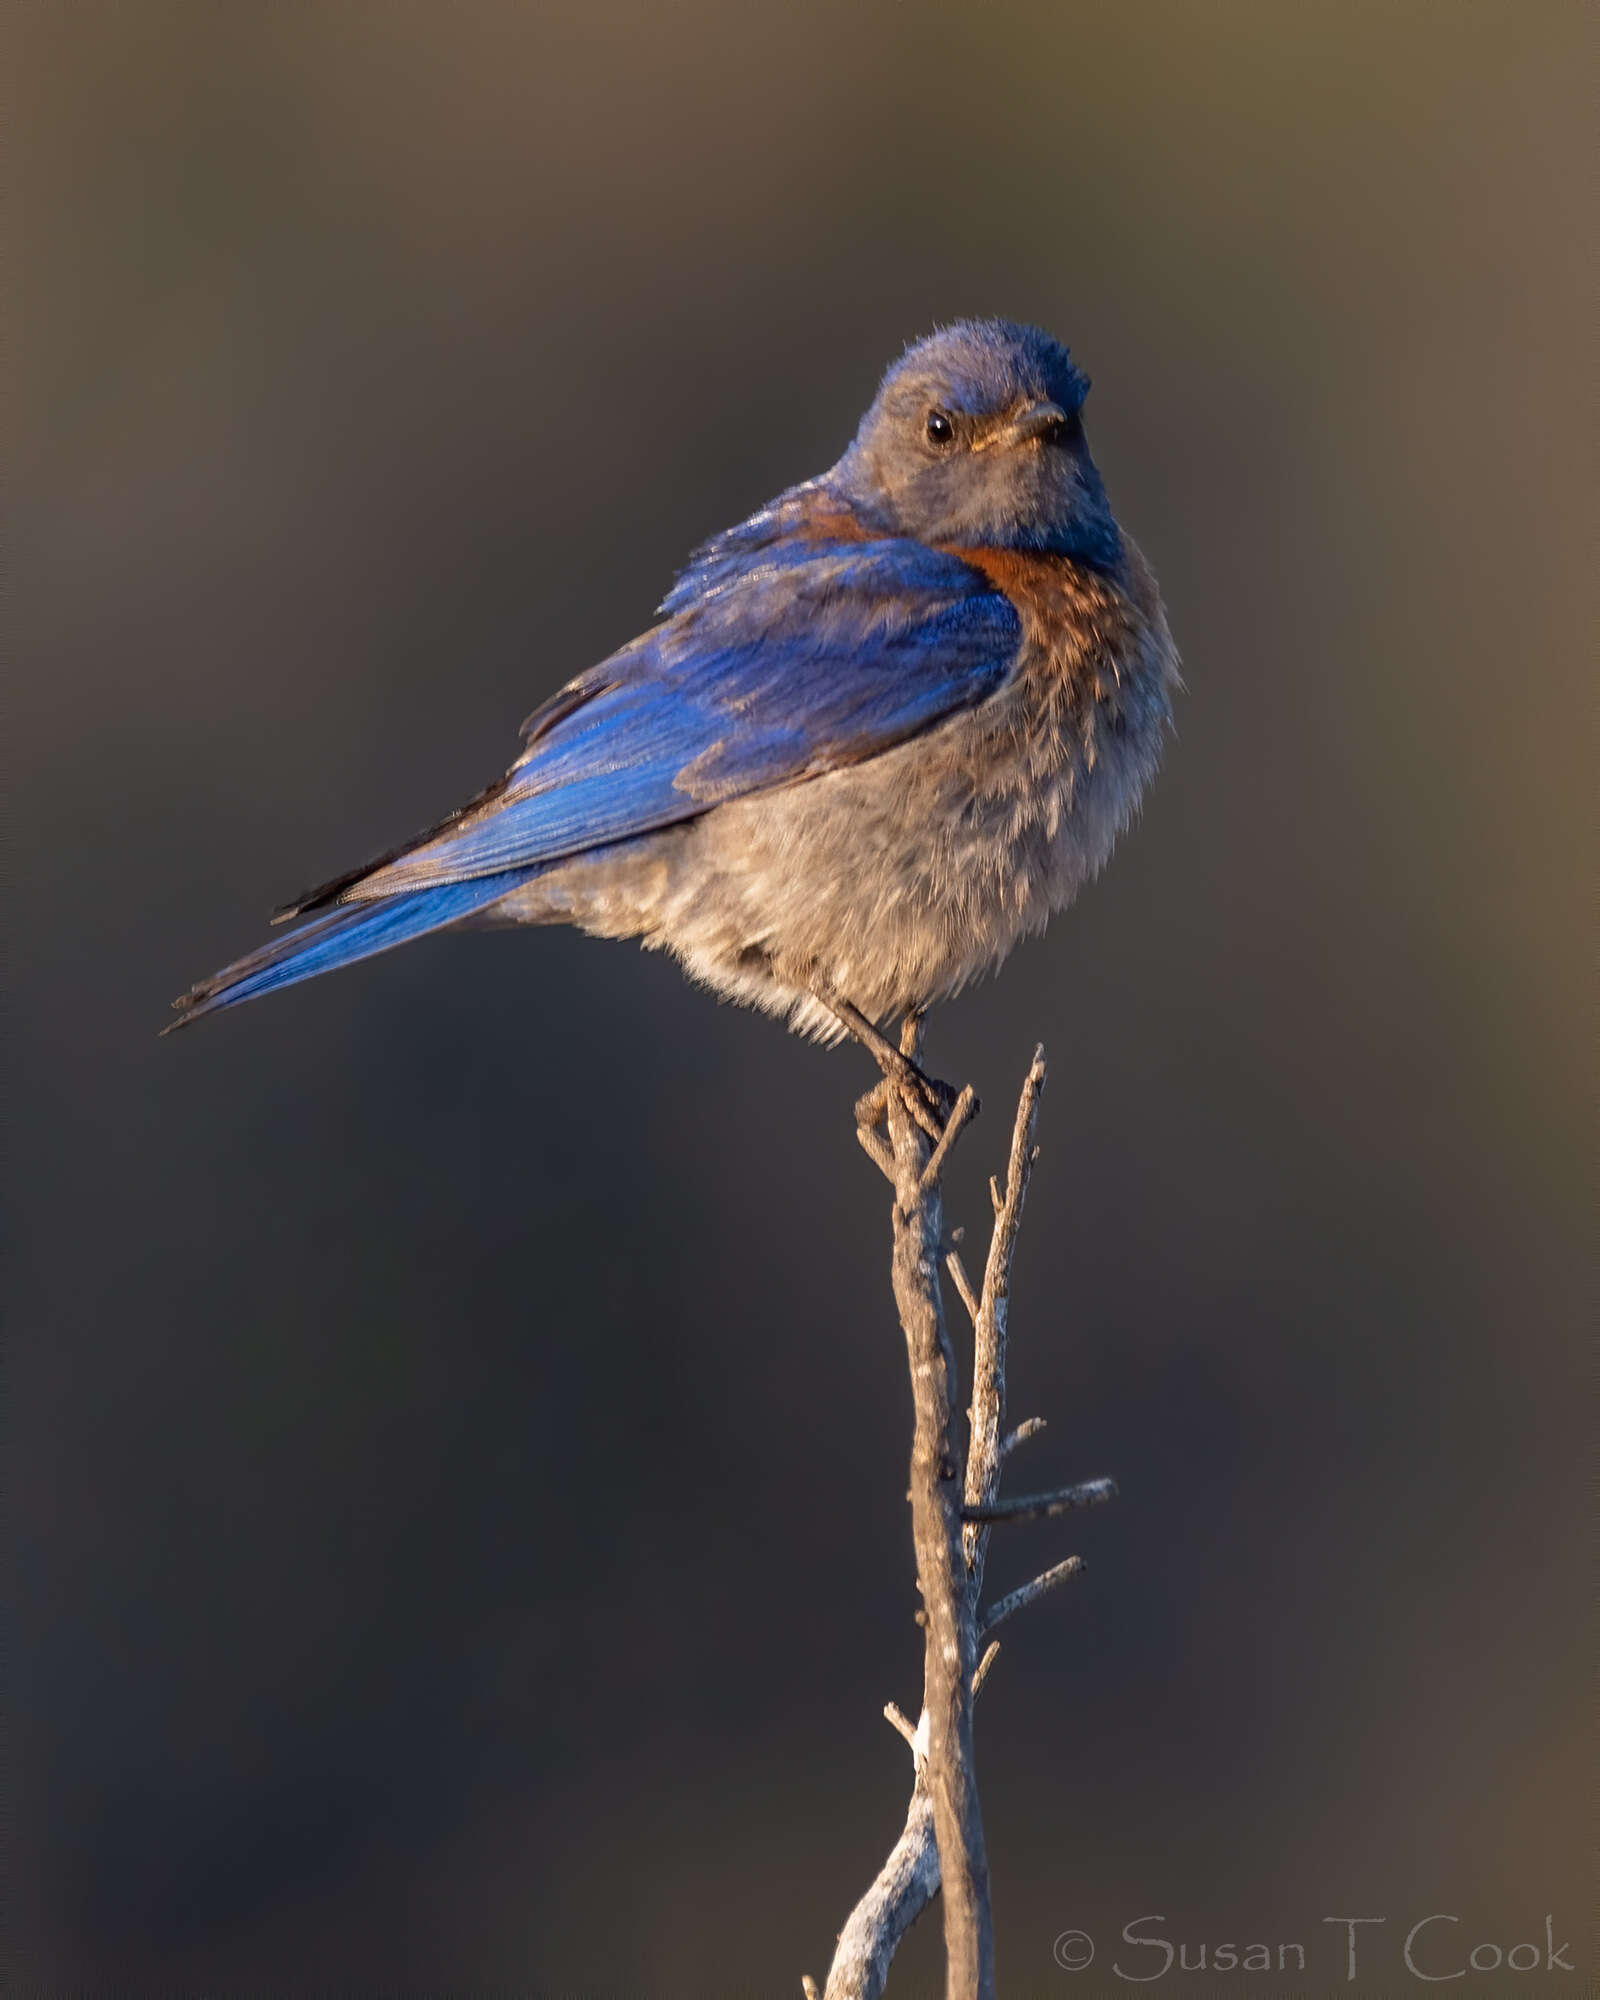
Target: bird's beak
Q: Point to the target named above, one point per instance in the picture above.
(1037, 420)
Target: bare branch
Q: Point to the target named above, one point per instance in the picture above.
(1028, 1593)
(1043, 1506)
(876, 1151)
(990, 1321)
(962, 1283)
(898, 1720)
(941, 1845)
(966, 1110)
(907, 1882)
(950, 1632)
(1021, 1435)
(905, 1885)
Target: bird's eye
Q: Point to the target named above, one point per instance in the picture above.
(939, 429)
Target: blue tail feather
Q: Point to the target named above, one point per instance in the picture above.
(350, 932)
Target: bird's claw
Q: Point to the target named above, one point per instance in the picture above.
(929, 1102)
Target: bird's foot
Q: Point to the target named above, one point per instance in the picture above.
(929, 1101)
(931, 1104)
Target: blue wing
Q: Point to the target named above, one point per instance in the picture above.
(813, 655)
(792, 645)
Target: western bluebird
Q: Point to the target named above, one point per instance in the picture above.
(883, 729)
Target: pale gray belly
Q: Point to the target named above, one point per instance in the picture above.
(890, 883)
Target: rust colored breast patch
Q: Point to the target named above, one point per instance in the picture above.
(1041, 586)
(1070, 610)
(822, 519)
(1088, 631)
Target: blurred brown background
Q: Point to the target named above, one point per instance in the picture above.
(456, 1414)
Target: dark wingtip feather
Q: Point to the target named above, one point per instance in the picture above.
(199, 1001)
(189, 1010)
(326, 894)
(205, 997)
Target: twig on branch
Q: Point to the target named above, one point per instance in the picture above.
(902, 1724)
(1019, 1600)
(962, 1283)
(966, 1110)
(1043, 1506)
(991, 1319)
(1021, 1435)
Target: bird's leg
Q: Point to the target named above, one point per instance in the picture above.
(929, 1101)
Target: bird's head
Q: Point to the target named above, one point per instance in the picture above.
(975, 438)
